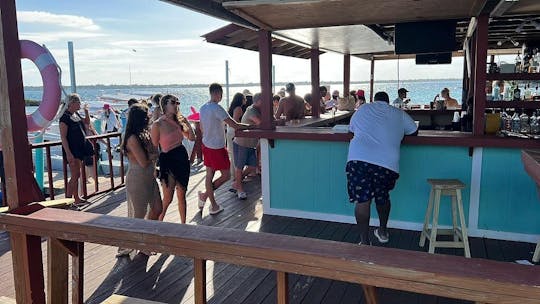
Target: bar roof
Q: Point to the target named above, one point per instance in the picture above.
(247, 38)
(363, 27)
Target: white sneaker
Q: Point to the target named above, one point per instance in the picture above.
(382, 238)
(242, 195)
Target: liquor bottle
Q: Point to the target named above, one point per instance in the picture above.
(524, 121)
(517, 93)
(534, 124)
(528, 92)
(516, 123)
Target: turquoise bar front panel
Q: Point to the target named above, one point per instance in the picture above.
(310, 176)
(508, 196)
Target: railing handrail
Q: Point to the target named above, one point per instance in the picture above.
(449, 276)
(59, 142)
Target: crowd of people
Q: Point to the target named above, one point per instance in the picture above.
(153, 145)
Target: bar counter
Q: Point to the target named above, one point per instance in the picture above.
(425, 137)
(303, 175)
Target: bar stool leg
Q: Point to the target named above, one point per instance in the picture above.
(424, 233)
(454, 218)
(433, 237)
(463, 225)
(536, 256)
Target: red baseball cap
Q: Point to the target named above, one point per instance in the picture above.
(360, 93)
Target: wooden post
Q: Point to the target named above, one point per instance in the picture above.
(346, 74)
(370, 293)
(315, 84)
(265, 63)
(480, 74)
(200, 280)
(371, 79)
(57, 272)
(26, 250)
(77, 274)
(282, 287)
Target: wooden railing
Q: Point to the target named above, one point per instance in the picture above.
(479, 280)
(85, 193)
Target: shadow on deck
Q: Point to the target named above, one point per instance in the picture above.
(169, 279)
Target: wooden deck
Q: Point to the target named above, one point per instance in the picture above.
(169, 279)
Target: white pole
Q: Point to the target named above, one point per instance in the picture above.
(274, 79)
(72, 67)
(227, 81)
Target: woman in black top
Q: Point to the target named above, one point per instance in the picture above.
(72, 133)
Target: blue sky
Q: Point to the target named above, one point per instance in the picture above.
(160, 43)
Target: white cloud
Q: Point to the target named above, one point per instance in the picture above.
(173, 43)
(43, 37)
(70, 21)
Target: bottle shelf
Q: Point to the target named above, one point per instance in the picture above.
(513, 104)
(513, 76)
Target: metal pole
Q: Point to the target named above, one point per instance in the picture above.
(72, 67)
(273, 78)
(227, 81)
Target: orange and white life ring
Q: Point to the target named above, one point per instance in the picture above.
(50, 75)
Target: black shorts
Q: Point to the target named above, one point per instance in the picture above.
(366, 181)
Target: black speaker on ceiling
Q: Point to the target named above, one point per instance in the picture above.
(434, 58)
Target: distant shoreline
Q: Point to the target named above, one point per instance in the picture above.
(204, 85)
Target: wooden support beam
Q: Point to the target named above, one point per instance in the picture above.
(200, 280)
(282, 287)
(480, 75)
(370, 293)
(57, 272)
(346, 74)
(26, 250)
(27, 268)
(315, 84)
(265, 63)
(77, 275)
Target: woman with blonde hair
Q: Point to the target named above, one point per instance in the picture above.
(174, 167)
(75, 147)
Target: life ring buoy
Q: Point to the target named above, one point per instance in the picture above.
(50, 76)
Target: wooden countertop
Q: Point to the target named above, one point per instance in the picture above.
(425, 137)
(323, 120)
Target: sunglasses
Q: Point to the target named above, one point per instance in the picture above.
(174, 102)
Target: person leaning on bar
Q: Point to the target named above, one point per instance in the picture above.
(373, 161)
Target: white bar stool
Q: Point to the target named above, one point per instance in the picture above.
(452, 188)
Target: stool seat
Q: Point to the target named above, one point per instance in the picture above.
(446, 184)
(452, 188)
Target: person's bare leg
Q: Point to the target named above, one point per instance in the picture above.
(362, 214)
(238, 180)
(73, 184)
(181, 196)
(203, 196)
(168, 192)
(384, 212)
(224, 177)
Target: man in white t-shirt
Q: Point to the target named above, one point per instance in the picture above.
(373, 160)
(401, 101)
(215, 155)
(112, 123)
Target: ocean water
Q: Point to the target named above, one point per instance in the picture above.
(420, 92)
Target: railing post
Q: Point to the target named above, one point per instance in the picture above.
(84, 188)
(77, 276)
(282, 287)
(95, 168)
(122, 181)
(57, 272)
(109, 154)
(49, 172)
(370, 293)
(200, 280)
(27, 268)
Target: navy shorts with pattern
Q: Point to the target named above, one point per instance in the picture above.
(366, 181)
